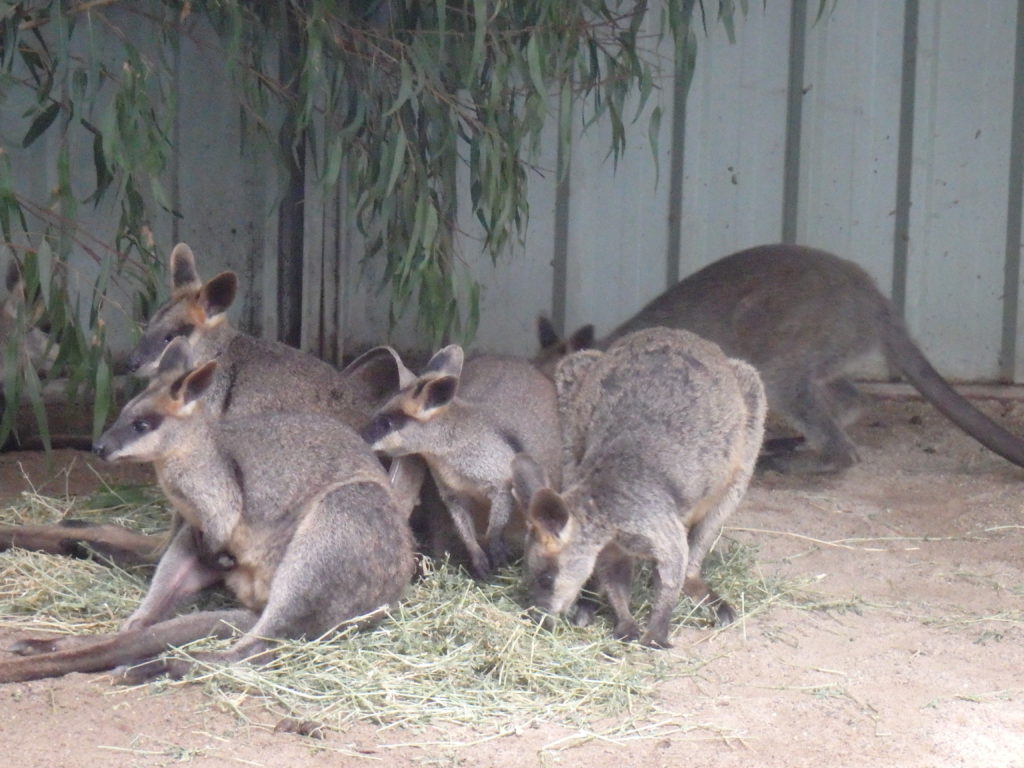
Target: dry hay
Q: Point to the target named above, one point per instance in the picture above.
(454, 651)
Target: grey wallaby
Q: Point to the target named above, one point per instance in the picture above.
(803, 317)
(466, 422)
(253, 376)
(660, 436)
(292, 512)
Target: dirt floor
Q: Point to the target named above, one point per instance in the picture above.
(913, 657)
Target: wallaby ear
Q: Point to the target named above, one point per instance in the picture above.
(546, 334)
(218, 293)
(191, 386)
(378, 373)
(446, 362)
(436, 393)
(183, 268)
(177, 357)
(550, 520)
(583, 338)
(527, 478)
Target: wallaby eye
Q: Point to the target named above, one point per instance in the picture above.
(141, 426)
(168, 338)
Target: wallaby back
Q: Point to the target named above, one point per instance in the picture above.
(803, 317)
(662, 432)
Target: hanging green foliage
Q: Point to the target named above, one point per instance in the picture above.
(389, 98)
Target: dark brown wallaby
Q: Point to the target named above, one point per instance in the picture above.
(803, 317)
(660, 436)
(291, 511)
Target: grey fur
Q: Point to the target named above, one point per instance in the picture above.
(803, 317)
(661, 434)
(255, 375)
(291, 511)
(467, 422)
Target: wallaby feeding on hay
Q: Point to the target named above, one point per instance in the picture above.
(803, 317)
(660, 436)
(292, 512)
(467, 422)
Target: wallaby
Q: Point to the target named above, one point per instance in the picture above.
(660, 436)
(253, 376)
(292, 512)
(467, 422)
(803, 317)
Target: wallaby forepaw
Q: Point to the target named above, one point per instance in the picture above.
(480, 565)
(498, 553)
(627, 631)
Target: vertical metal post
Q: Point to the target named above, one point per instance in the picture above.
(794, 119)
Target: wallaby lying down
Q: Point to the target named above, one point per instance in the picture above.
(467, 422)
(660, 436)
(803, 317)
(292, 512)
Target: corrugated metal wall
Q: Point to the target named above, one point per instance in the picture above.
(888, 131)
(897, 144)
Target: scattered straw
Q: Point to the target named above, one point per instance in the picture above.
(454, 651)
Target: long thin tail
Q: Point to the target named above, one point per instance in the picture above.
(130, 647)
(115, 543)
(904, 354)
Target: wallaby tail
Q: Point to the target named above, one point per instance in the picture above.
(904, 355)
(130, 647)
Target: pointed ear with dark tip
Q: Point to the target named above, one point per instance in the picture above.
(583, 338)
(183, 268)
(377, 373)
(13, 277)
(177, 357)
(549, 519)
(218, 293)
(437, 393)
(191, 386)
(527, 478)
(546, 334)
(446, 362)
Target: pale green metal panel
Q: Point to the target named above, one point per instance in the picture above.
(961, 154)
(735, 138)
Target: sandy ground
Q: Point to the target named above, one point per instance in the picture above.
(914, 656)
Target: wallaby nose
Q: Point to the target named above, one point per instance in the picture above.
(100, 449)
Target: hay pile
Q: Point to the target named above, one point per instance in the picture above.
(455, 651)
